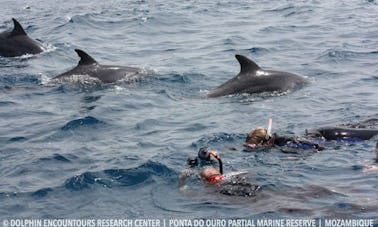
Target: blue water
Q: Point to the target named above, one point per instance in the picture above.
(115, 151)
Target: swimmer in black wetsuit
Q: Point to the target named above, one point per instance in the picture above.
(228, 184)
(261, 137)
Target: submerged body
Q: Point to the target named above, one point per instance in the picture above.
(18, 43)
(237, 185)
(231, 184)
(105, 73)
(253, 79)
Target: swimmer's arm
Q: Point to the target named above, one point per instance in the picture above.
(183, 175)
(369, 168)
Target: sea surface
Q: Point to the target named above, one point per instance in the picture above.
(78, 150)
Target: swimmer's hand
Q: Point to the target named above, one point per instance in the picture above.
(369, 168)
(183, 187)
(318, 147)
(250, 145)
(183, 175)
(214, 154)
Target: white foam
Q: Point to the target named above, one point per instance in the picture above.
(85, 80)
(44, 79)
(233, 174)
(261, 73)
(113, 68)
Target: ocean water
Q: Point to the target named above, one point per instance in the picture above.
(116, 150)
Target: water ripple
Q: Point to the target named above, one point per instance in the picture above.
(81, 123)
(92, 150)
(118, 177)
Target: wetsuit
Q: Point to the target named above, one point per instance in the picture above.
(237, 186)
(291, 142)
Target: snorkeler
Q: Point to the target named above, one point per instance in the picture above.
(228, 184)
(261, 137)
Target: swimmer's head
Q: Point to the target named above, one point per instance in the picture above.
(204, 153)
(203, 157)
(256, 136)
(211, 175)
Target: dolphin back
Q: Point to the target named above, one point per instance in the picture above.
(253, 79)
(335, 133)
(88, 66)
(17, 42)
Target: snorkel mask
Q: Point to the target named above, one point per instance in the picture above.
(259, 136)
(204, 154)
(204, 157)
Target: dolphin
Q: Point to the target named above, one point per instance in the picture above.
(17, 42)
(253, 79)
(363, 130)
(335, 133)
(105, 73)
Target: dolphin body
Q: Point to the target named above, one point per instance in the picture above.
(363, 130)
(253, 79)
(335, 133)
(17, 42)
(105, 73)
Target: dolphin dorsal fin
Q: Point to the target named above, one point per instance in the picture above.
(17, 30)
(85, 59)
(246, 64)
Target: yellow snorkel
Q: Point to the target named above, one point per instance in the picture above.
(269, 130)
